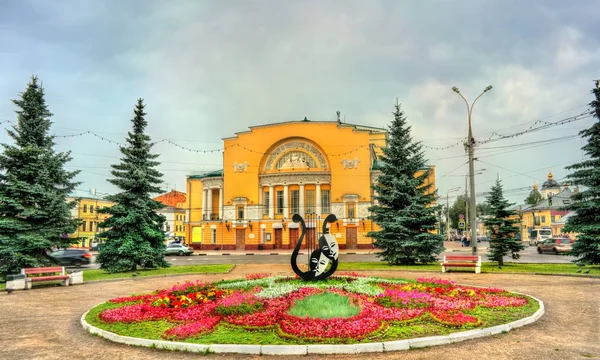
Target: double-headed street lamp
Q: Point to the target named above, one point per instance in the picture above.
(448, 212)
(471, 145)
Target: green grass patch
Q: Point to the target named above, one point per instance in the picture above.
(489, 267)
(2, 286)
(94, 274)
(325, 305)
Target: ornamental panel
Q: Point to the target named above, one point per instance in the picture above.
(363, 209)
(295, 145)
(294, 178)
(216, 182)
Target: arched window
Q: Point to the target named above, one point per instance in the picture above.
(296, 160)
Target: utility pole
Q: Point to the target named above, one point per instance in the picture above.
(471, 149)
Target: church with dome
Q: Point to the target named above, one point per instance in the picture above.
(550, 187)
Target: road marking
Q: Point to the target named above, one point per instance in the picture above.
(189, 259)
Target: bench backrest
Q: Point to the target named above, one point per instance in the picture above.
(43, 270)
(461, 257)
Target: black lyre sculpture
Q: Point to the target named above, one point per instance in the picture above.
(320, 258)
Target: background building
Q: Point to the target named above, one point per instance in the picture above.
(546, 212)
(313, 168)
(174, 212)
(87, 211)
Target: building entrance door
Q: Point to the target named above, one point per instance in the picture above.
(351, 237)
(278, 238)
(309, 241)
(240, 239)
(293, 238)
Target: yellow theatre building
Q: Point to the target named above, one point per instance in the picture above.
(273, 171)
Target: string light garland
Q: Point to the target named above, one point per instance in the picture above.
(460, 142)
(532, 128)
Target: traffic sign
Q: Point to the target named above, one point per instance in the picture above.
(461, 224)
(461, 216)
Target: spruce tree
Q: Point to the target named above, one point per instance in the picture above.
(534, 197)
(35, 216)
(405, 212)
(134, 237)
(586, 204)
(503, 232)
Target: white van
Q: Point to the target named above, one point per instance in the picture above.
(536, 236)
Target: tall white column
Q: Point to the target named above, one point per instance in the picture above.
(286, 207)
(318, 200)
(271, 201)
(204, 202)
(301, 196)
(221, 203)
(209, 203)
(260, 202)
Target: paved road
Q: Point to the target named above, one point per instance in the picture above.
(529, 255)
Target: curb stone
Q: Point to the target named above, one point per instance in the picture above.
(317, 349)
(283, 350)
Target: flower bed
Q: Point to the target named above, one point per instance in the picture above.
(257, 310)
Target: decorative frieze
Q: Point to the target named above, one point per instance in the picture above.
(253, 211)
(295, 178)
(228, 212)
(363, 209)
(295, 145)
(212, 183)
(338, 209)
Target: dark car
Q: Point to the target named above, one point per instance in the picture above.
(75, 257)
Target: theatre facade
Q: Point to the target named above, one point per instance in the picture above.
(271, 172)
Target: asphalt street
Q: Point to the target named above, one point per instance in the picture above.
(529, 255)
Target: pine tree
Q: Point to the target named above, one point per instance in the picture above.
(586, 204)
(134, 237)
(503, 233)
(35, 216)
(404, 211)
(534, 197)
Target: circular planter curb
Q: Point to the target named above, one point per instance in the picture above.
(318, 348)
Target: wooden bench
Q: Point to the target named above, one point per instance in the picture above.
(462, 261)
(48, 274)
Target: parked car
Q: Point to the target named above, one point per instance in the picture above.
(178, 249)
(75, 257)
(555, 245)
(538, 235)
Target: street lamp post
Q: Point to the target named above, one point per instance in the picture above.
(448, 211)
(471, 146)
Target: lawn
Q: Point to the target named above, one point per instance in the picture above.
(93, 274)
(489, 267)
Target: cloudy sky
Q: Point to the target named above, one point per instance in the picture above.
(207, 69)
